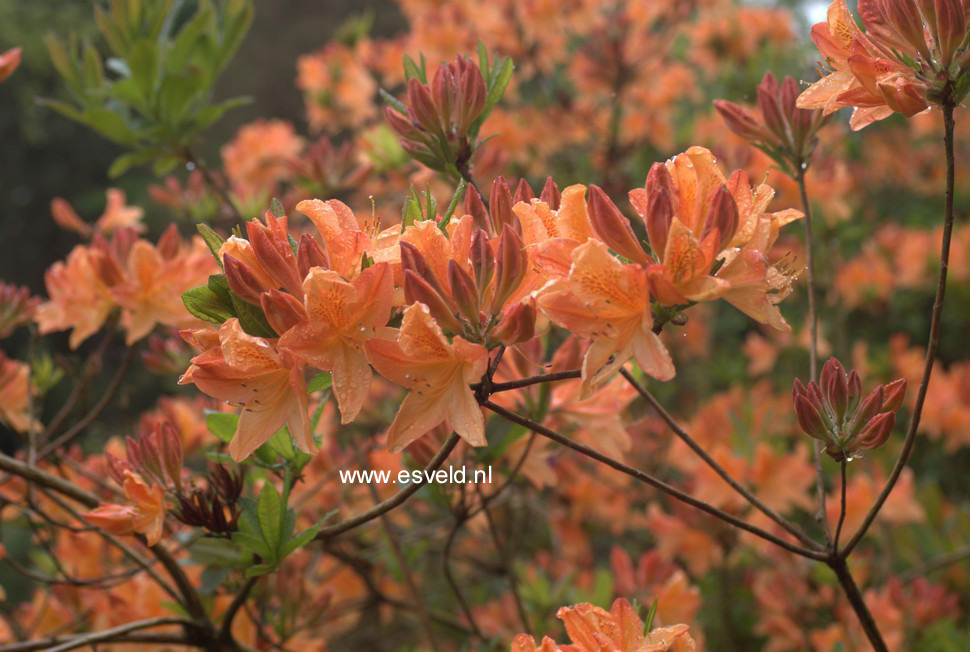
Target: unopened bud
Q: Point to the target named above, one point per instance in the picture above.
(523, 192)
(809, 419)
(517, 324)
(241, 279)
(483, 262)
(741, 121)
(613, 227)
(722, 215)
(422, 106)
(876, 432)
(500, 205)
(893, 395)
(511, 265)
(310, 254)
(283, 311)
(464, 292)
(418, 290)
(550, 194)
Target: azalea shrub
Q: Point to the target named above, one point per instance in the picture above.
(580, 326)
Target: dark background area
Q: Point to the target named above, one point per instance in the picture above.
(43, 155)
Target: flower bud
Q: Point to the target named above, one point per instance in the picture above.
(283, 311)
(660, 215)
(722, 215)
(171, 453)
(517, 324)
(855, 390)
(809, 419)
(475, 207)
(870, 406)
(770, 108)
(472, 99)
(241, 280)
(500, 205)
(741, 121)
(511, 265)
(276, 256)
(464, 292)
(523, 192)
(117, 468)
(483, 262)
(550, 194)
(310, 254)
(613, 227)
(444, 91)
(876, 432)
(418, 290)
(170, 242)
(893, 395)
(951, 27)
(835, 387)
(403, 127)
(422, 106)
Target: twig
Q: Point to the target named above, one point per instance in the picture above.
(108, 634)
(225, 631)
(713, 464)
(96, 410)
(532, 380)
(813, 343)
(934, 338)
(395, 500)
(838, 528)
(932, 565)
(506, 564)
(654, 482)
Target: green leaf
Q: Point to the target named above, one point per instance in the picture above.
(212, 239)
(276, 206)
(394, 102)
(453, 204)
(300, 540)
(322, 380)
(651, 615)
(251, 318)
(129, 160)
(270, 511)
(252, 543)
(203, 303)
(109, 124)
(143, 61)
(258, 569)
(222, 425)
(412, 71)
(281, 444)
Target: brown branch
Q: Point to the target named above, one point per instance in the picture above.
(842, 510)
(92, 638)
(395, 500)
(531, 380)
(713, 464)
(146, 638)
(858, 603)
(932, 344)
(932, 565)
(654, 482)
(225, 631)
(96, 410)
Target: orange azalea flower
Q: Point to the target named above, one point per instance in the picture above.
(79, 299)
(248, 371)
(117, 215)
(144, 514)
(9, 61)
(437, 373)
(552, 235)
(14, 391)
(154, 279)
(593, 629)
(344, 240)
(608, 302)
(872, 70)
(341, 316)
(260, 156)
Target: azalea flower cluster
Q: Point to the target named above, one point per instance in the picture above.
(911, 54)
(119, 271)
(465, 286)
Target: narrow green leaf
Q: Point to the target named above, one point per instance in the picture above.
(222, 425)
(456, 199)
(203, 303)
(212, 239)
(394, 102)
(270, 509)
(322, 380)
(276, 206)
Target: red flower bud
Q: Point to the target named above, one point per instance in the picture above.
(809, 419)
(464, 292)
(483, 262)
(770, 106)
(310, 254)
(741, 121)
(550, 194)
(523, 192)
(871, 406)
(170, 242)
(517, 324)
(472, 97)
(722, 214)
(876, 432)
(241, 280)
(170, 443)
(283, 311)
(418, 290)
(613, 227)
(422, 106)
(893, 395)
(275, 254)
(500, 205)
(475, 207)
(511, 265)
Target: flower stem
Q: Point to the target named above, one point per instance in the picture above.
(934, 338)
